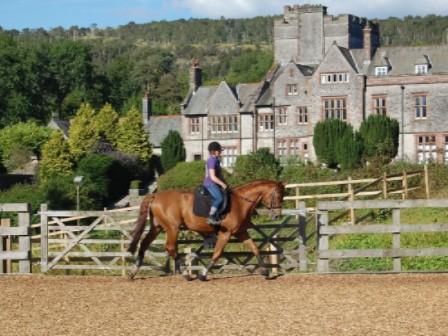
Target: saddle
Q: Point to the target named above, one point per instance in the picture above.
(203, 201)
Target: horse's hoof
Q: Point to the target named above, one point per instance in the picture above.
(202, 277)
(133, 272)
(187, 276)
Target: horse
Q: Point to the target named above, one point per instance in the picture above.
(171, 209)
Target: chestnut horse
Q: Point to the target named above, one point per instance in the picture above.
(171, 209)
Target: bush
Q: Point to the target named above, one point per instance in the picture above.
(185, 175)
(261, 164)
(105, 179)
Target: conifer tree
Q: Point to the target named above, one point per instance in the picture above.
(380, 137)
(106, 125)
(326, 136)
(173, 150)
(133, 138)
(56, 159)
(83, 135)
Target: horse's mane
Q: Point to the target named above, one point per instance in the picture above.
(250, 184)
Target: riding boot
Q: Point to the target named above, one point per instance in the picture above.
(212, 220)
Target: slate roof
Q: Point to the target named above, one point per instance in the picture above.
(403, 59)
(198, 102)
(63, 125)
(159, 126)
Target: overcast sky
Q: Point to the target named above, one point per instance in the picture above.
(47, 14)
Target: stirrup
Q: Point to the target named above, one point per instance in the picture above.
(213, 221)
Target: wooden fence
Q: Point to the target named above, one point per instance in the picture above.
(372, 187)
(22, 231)
(325, 231)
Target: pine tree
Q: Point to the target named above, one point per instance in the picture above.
(56, 159)
(83, 136)
(133, 138)
(106, 125)
(173, 150)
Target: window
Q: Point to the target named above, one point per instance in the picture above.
(445, 149)
(302, 115)
(224, 124)
(426, 148)
(197, 157)
(228, 156)
(282, 117)
(194, 125)
(381, 71)
(266, 122)
(421, 68)
(291, 147)
(379, 105)
(419, 102)
(335, 108)
(329, 78)
(291, 89)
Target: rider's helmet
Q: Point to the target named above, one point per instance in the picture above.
(214, 146)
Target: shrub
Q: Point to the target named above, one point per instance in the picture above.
(185, 175)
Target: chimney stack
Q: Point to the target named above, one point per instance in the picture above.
(147, 107)
(195, 75)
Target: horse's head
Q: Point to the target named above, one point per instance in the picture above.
(273, 200)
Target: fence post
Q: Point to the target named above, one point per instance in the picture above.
(351, 197)
(385, 185)
(426, 181)
(43, 239)
(302, 243)
(25, 241)
(5, 245)
(322, 241)
(396, 213)
(405, 185)
(297, 195)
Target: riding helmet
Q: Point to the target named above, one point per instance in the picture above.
(214, 146)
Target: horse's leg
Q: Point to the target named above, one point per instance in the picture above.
(221, 242)
(171, 245)
(149, 238)
(249, 243)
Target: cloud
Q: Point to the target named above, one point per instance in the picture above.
(370, 9)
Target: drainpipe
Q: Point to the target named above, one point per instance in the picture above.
(402, 121)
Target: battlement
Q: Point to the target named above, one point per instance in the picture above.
(298, 9)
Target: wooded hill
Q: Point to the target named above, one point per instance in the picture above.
(54, 71)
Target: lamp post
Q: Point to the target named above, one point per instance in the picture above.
(402, 121)
(77, 180)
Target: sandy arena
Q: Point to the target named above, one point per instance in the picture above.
(406, 304)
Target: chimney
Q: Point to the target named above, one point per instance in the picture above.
(368, 50)
(147, 107)
(195, 75)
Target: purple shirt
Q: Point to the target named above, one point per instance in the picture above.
(212, 163)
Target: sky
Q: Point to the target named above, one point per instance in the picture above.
(49, 14)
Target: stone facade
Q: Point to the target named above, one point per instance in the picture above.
(325, 67)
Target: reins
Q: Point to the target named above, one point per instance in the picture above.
(251, 201)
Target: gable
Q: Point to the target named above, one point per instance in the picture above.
(223, 101)
(337, 59)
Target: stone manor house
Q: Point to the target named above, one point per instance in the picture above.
(325, 67)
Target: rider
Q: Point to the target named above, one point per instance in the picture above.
(214, 180)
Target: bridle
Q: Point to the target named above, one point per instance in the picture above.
(273, 196)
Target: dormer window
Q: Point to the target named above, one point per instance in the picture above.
(381, 71)
(421, 69)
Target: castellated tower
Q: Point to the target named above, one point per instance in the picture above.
(306, 33)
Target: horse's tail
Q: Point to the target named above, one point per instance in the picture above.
(141, 222)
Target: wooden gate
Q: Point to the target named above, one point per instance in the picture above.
(23, 253)
(97, 240)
